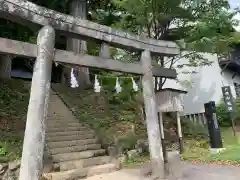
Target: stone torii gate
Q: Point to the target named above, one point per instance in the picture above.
(35, 16)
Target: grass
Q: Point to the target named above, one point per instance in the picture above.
(136, 161)
(199, 150)
(14, 97)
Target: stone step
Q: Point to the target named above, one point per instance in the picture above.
(77, 155)
(64, 120)
(62, 144)
(71, 137)
(66, 128)
(65, 166)
(56, 124)
(81, 173)
(63, 114)
(53, 111)
(69, 133)
(54, 151)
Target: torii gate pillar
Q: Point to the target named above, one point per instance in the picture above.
(34, 139)
(155, 145)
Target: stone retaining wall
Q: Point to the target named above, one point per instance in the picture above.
(10, 171)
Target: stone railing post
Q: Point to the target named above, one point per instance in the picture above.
(5, 66)
(153, 131)
(104, 52)
(34, 139)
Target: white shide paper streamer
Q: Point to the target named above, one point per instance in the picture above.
(74, 83)
(97, 87)
(118, 86)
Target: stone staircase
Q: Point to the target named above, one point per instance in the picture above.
(73, 146)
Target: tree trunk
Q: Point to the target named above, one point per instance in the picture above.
(5, 66)
(78, 8)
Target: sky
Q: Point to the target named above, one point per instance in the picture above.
(235, 4)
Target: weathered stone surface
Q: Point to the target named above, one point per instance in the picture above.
(113, 151)
(34, 138)
(14, 165)
(142, 146)
(133, 153)
(5, 66)
(9, 176)
(48, 162)
(10, 171)
(82, 59)
(3, 168)
(3, 165)
(153, 129)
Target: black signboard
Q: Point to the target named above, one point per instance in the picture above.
(228, 99)
(213, 125)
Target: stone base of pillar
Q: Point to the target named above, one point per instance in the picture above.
(181, 146)
(164, 151)
(216, 150)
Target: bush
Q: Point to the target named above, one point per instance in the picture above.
(128, 142)
(224, 116)
(194, 130)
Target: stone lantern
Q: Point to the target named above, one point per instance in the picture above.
(170, 100)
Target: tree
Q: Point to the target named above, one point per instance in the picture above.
(77, 8)
(95, 10)
(197, 26)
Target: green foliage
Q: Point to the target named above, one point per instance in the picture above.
(231, 155)
(15, 31)
(224, 116)
(193, 130)
(200, 25)
(10, 146)
(199, 150)
(195, 150)
(196, 26)
(14, 96)
(127, 142)
(111, 115)
(136, 162)
(125, 96)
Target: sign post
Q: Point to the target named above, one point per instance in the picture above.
(213, 126)
(230, 104)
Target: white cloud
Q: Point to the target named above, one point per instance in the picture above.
(238, 18)
(235, 4)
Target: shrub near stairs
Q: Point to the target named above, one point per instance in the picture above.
(14, 97)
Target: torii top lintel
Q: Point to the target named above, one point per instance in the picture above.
(22, 11)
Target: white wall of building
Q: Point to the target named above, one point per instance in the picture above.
(205, 85)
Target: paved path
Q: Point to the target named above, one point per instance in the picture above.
(182, 171)
(188, 172)
(205, 172)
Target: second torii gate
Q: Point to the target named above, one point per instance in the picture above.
(34, 15)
